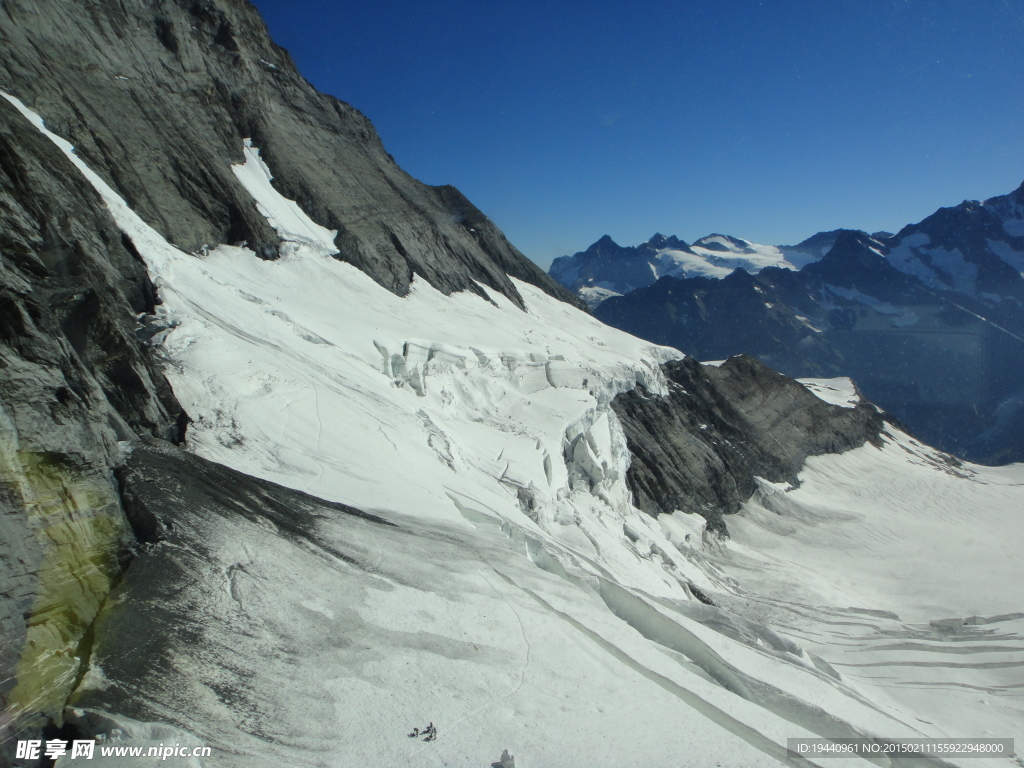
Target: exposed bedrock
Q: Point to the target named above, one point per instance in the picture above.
(75, 379)
(158, 96)
(701, 448)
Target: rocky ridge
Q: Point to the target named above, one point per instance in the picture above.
(158, 97)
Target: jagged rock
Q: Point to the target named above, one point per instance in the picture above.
(700, 448)
(74, 380)
(158, 97)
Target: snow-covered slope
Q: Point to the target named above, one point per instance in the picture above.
(517, 599)
(352, 631)
(305, 371)
(731, 253)
(903, 570)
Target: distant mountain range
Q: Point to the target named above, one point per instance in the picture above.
(929, 321)
(608, 269)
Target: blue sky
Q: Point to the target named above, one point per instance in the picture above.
(564, 121)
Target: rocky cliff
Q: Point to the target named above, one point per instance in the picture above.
(724, 429)
(74, 381)
(158, 97)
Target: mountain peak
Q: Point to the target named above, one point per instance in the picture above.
(855, 244)
(659, 240)
(723, 243)
(605, 241)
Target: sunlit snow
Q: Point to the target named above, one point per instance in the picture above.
(839, 391)
(720, 260)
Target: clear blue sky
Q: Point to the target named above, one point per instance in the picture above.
(566, 120)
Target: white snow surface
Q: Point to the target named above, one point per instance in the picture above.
(839, 391)
(595, 294)
(295, 228)
(709, 262)
(524, 603)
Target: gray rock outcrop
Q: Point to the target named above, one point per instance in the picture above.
(74, 381)
(701, 448)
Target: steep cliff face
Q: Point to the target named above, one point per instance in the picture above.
(74, 380)
(158, 95)
(704, 448)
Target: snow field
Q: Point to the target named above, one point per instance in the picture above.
(908, 584)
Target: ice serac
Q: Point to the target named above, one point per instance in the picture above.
(158, 98)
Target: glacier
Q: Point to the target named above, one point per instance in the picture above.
(469, 553)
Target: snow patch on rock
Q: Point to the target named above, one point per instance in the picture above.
(839, 391)
(296, 230)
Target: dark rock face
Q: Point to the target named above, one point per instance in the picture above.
(700, 448)
(947, 363)
(74, 380)
(158, 95)
(71, 287)
(715, 319)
